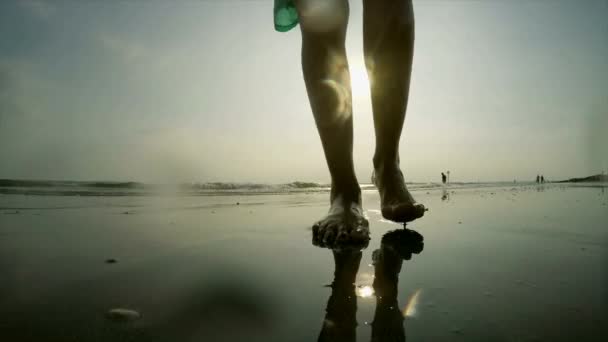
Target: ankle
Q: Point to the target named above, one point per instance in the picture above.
(385, 164)
(348, 191)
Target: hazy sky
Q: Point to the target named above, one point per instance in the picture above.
(208, 91)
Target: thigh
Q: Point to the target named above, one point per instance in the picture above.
(379, 11)
(323, 16)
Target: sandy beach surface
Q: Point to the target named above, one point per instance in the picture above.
(505, 263)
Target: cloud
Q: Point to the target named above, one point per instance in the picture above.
(127, 50)
(39, 8)
(8, 106)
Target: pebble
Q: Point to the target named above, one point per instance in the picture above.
(111, 261)
(122, 315)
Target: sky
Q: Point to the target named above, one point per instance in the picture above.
(196, 91)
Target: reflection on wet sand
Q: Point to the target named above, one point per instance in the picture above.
(445, 195)
(340, 315)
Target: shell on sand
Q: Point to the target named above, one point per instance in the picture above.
(122, 315)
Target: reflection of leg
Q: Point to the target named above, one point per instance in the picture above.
(323, 24)
(341, 312)
(388, 30)
(395, 247)
(388, 320)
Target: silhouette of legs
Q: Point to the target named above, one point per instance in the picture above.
(323, 24)
(388, 37)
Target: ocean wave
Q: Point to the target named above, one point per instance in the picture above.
(250, 186)
(26, 183)
(103, 188)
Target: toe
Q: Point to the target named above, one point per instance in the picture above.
(342, 236)
(360, 233)
(329, 235)
(315, 227)
(322, 228)
(317, 239)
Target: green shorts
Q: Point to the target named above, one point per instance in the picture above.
(285, 15)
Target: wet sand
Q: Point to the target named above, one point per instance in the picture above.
(524, 263)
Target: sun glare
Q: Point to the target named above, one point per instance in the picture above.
(365, 291)
(359, 81)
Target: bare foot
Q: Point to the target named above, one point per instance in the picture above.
(396, 202)
(344, 223)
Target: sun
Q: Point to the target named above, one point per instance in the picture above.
(358, 80)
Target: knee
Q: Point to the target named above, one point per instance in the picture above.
(323, 16)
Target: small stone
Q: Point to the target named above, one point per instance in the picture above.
(237, 203)
(126, 212)
(123, 315)
(459, 222)
(111, 261)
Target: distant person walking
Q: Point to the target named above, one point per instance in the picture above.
(537, 178)
(542, 179)
(444, 178)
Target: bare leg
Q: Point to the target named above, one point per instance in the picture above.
(388, 36)
(323, 24)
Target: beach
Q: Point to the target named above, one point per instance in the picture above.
(498, 263)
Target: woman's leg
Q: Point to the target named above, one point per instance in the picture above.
(388, 36)
(323, 24)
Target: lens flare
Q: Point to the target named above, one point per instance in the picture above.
(338, 83)
(412, 304)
